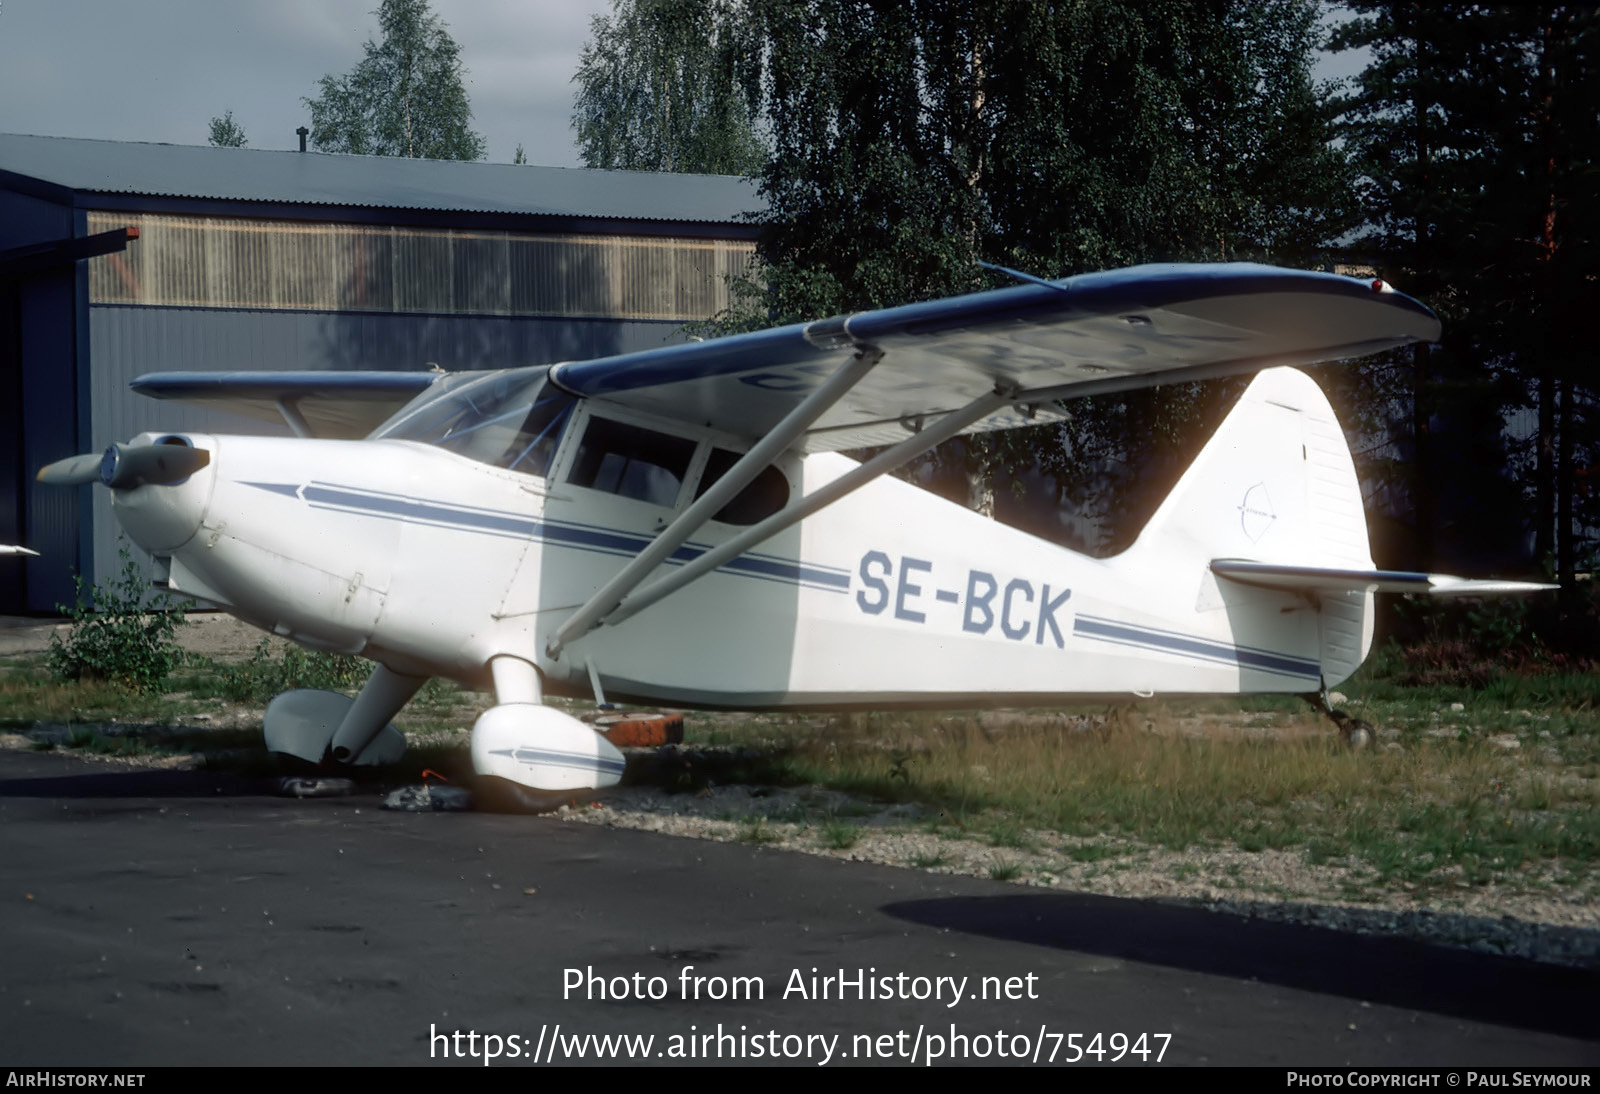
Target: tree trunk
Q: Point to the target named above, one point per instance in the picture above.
(1421, 408)
(1546, 540)
(1544, 494)
(980, 475)
(976, 142)
(1566, 533)
(1421, 479)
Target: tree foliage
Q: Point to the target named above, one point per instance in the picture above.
(669, 85)
(1475, 129)
(1054, 138)
(907, 141)
(910, 140)
(227, 133)
(407, 96)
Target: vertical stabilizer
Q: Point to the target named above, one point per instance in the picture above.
(1276, 484)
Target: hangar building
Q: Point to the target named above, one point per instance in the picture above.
(242, 259)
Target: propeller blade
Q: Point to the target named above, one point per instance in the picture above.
(122, 468)
(72, 471)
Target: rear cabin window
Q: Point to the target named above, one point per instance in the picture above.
(765, 494)
(632, 462)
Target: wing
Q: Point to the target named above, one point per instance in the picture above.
(1085, 335)
(345, 405)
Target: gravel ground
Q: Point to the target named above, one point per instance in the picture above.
(1555, 927)
(210, 633)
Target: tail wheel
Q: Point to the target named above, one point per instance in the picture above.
(640, 729)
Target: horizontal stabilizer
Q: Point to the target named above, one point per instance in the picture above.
(1317, 579)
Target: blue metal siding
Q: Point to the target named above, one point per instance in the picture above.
(164, 339)
(83, 424)
(128, 342)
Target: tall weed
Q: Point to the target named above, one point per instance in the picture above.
(117, 635)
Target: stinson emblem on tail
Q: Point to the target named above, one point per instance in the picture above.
(1255, 512)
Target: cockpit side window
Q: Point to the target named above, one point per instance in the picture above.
(542, 430)
(631, 461)
(762, 496)
(509, 419)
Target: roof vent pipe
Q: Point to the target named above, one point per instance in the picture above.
(302, 131)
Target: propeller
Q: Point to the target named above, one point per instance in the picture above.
(124, 467)
(71, 471)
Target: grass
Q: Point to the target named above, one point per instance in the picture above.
(1005, 871)
(755, 830)
(1007, 831)
(1442, 802)
(839, 834)
(1093, 852)
(29, 695)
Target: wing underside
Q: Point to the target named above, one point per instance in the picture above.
(340, 405)
(1086, 335)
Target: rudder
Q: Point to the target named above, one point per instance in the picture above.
(1275, 484)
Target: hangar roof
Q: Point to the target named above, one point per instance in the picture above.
(378, 182)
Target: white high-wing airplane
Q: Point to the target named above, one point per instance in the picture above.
(676, 526)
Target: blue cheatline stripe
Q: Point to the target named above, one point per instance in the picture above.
(1147, 630)
(581, 537)
(1128, 634)
(276, 488)
(562, 759)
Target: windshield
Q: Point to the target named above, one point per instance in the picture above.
(509, 419)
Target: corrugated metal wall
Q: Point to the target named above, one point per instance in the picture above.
(220, 293)
(127, 342)
(236, 262)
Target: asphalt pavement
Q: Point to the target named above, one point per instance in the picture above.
(162, 917)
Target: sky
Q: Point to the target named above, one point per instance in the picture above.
(159, 70)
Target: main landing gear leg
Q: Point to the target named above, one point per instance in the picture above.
(318, 725)
(366, 723)
(530, 757)
(1353, 731)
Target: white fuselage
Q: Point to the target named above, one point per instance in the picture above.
(433, 563)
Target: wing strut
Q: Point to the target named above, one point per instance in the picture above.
(751, 464)
(289, 407)
(909, 449)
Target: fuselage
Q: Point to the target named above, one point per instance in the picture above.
(432, 558)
